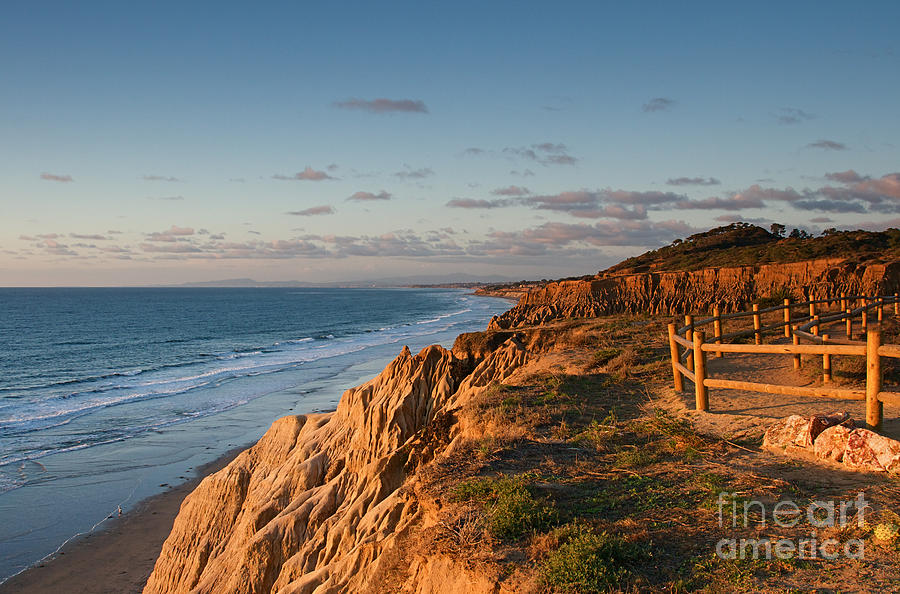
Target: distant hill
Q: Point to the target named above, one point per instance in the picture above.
(742, 244)
(443, 280)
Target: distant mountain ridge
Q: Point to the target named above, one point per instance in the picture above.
(459, 280)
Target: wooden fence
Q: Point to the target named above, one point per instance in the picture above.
(692, 361)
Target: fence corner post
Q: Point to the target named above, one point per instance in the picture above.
(796, 340)
(826, 362)
(673, 350)
(700, 390)
(874, 407)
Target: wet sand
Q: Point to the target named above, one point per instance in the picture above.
(119, 558)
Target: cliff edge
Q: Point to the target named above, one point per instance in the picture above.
(319, 502)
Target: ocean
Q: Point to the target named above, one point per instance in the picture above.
(108, 396)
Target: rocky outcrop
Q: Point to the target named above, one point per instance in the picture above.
(680, 292)
(322, 500)
(833, 437)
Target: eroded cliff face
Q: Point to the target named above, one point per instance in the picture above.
(698, 291)
(321, 502)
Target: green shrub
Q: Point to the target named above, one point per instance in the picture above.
(591, 562)
(511, 509)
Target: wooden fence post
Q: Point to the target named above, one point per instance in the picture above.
(812, 309)
(700, 391)
(843, 301)
(673, 349)
(787, 318)
(756, 325)
(815, 327)
(797, 361)
(689, 334)
(874, 407)
(880, 311)
(849, 319)
(717, 328)
(826, 363)
(896, 304)
(865, 320)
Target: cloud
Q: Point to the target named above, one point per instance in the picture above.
(693, 181)
(855, 194)
(164, 178)
(415, 173)
(545, 153)
(523, 173)
(313, 211)
(57, 178)
(171, 235)
(94, 237)
(473, 150)
(472, 203)
(384, 105)
(367, 196)
(171, 198)
(308, 174)
(827, 145)
(787, 116)
(845, 177)
(738, 201)
(658, 104)
(821, 220)
(511, 191)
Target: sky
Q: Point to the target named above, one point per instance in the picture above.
(168, 142)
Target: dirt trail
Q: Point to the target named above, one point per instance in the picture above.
(742, 413)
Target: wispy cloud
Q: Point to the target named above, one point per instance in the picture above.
(415, 173)
(171, 198)
(384, 105)
(313, 211)
(827, 145)
(658, 104)
(92, 237)
(163, 178)
(57, 178)
(788, 116)
(511, 191)
(477, 204)
(545, 153)
(693, 181)
(846, 177)
(171, 235)
(368, 196)
(308, 174)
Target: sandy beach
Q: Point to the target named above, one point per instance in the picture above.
(118, 558)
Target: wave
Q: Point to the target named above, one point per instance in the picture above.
(55, 404)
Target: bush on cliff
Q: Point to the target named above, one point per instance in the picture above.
(590, 562)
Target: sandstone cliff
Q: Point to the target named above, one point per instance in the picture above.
(698, 291)
(321, 502)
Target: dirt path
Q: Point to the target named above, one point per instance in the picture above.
(746, 414)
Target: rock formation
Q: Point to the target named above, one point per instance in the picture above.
(322, 500)
(833, 437)
(698, 291)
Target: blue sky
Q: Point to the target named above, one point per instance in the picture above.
(337, 141)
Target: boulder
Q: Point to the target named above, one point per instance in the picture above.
(868, 451)
(818, 423)
(786, 432)
(831, 443)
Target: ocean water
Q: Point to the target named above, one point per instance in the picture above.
(108, 396)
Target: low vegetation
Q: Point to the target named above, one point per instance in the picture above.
(584, 479)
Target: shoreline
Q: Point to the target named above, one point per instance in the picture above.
(120, 556)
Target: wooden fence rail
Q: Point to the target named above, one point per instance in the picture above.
(692, 338)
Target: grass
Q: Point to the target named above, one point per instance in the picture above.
(511, 510)
(591, 562)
